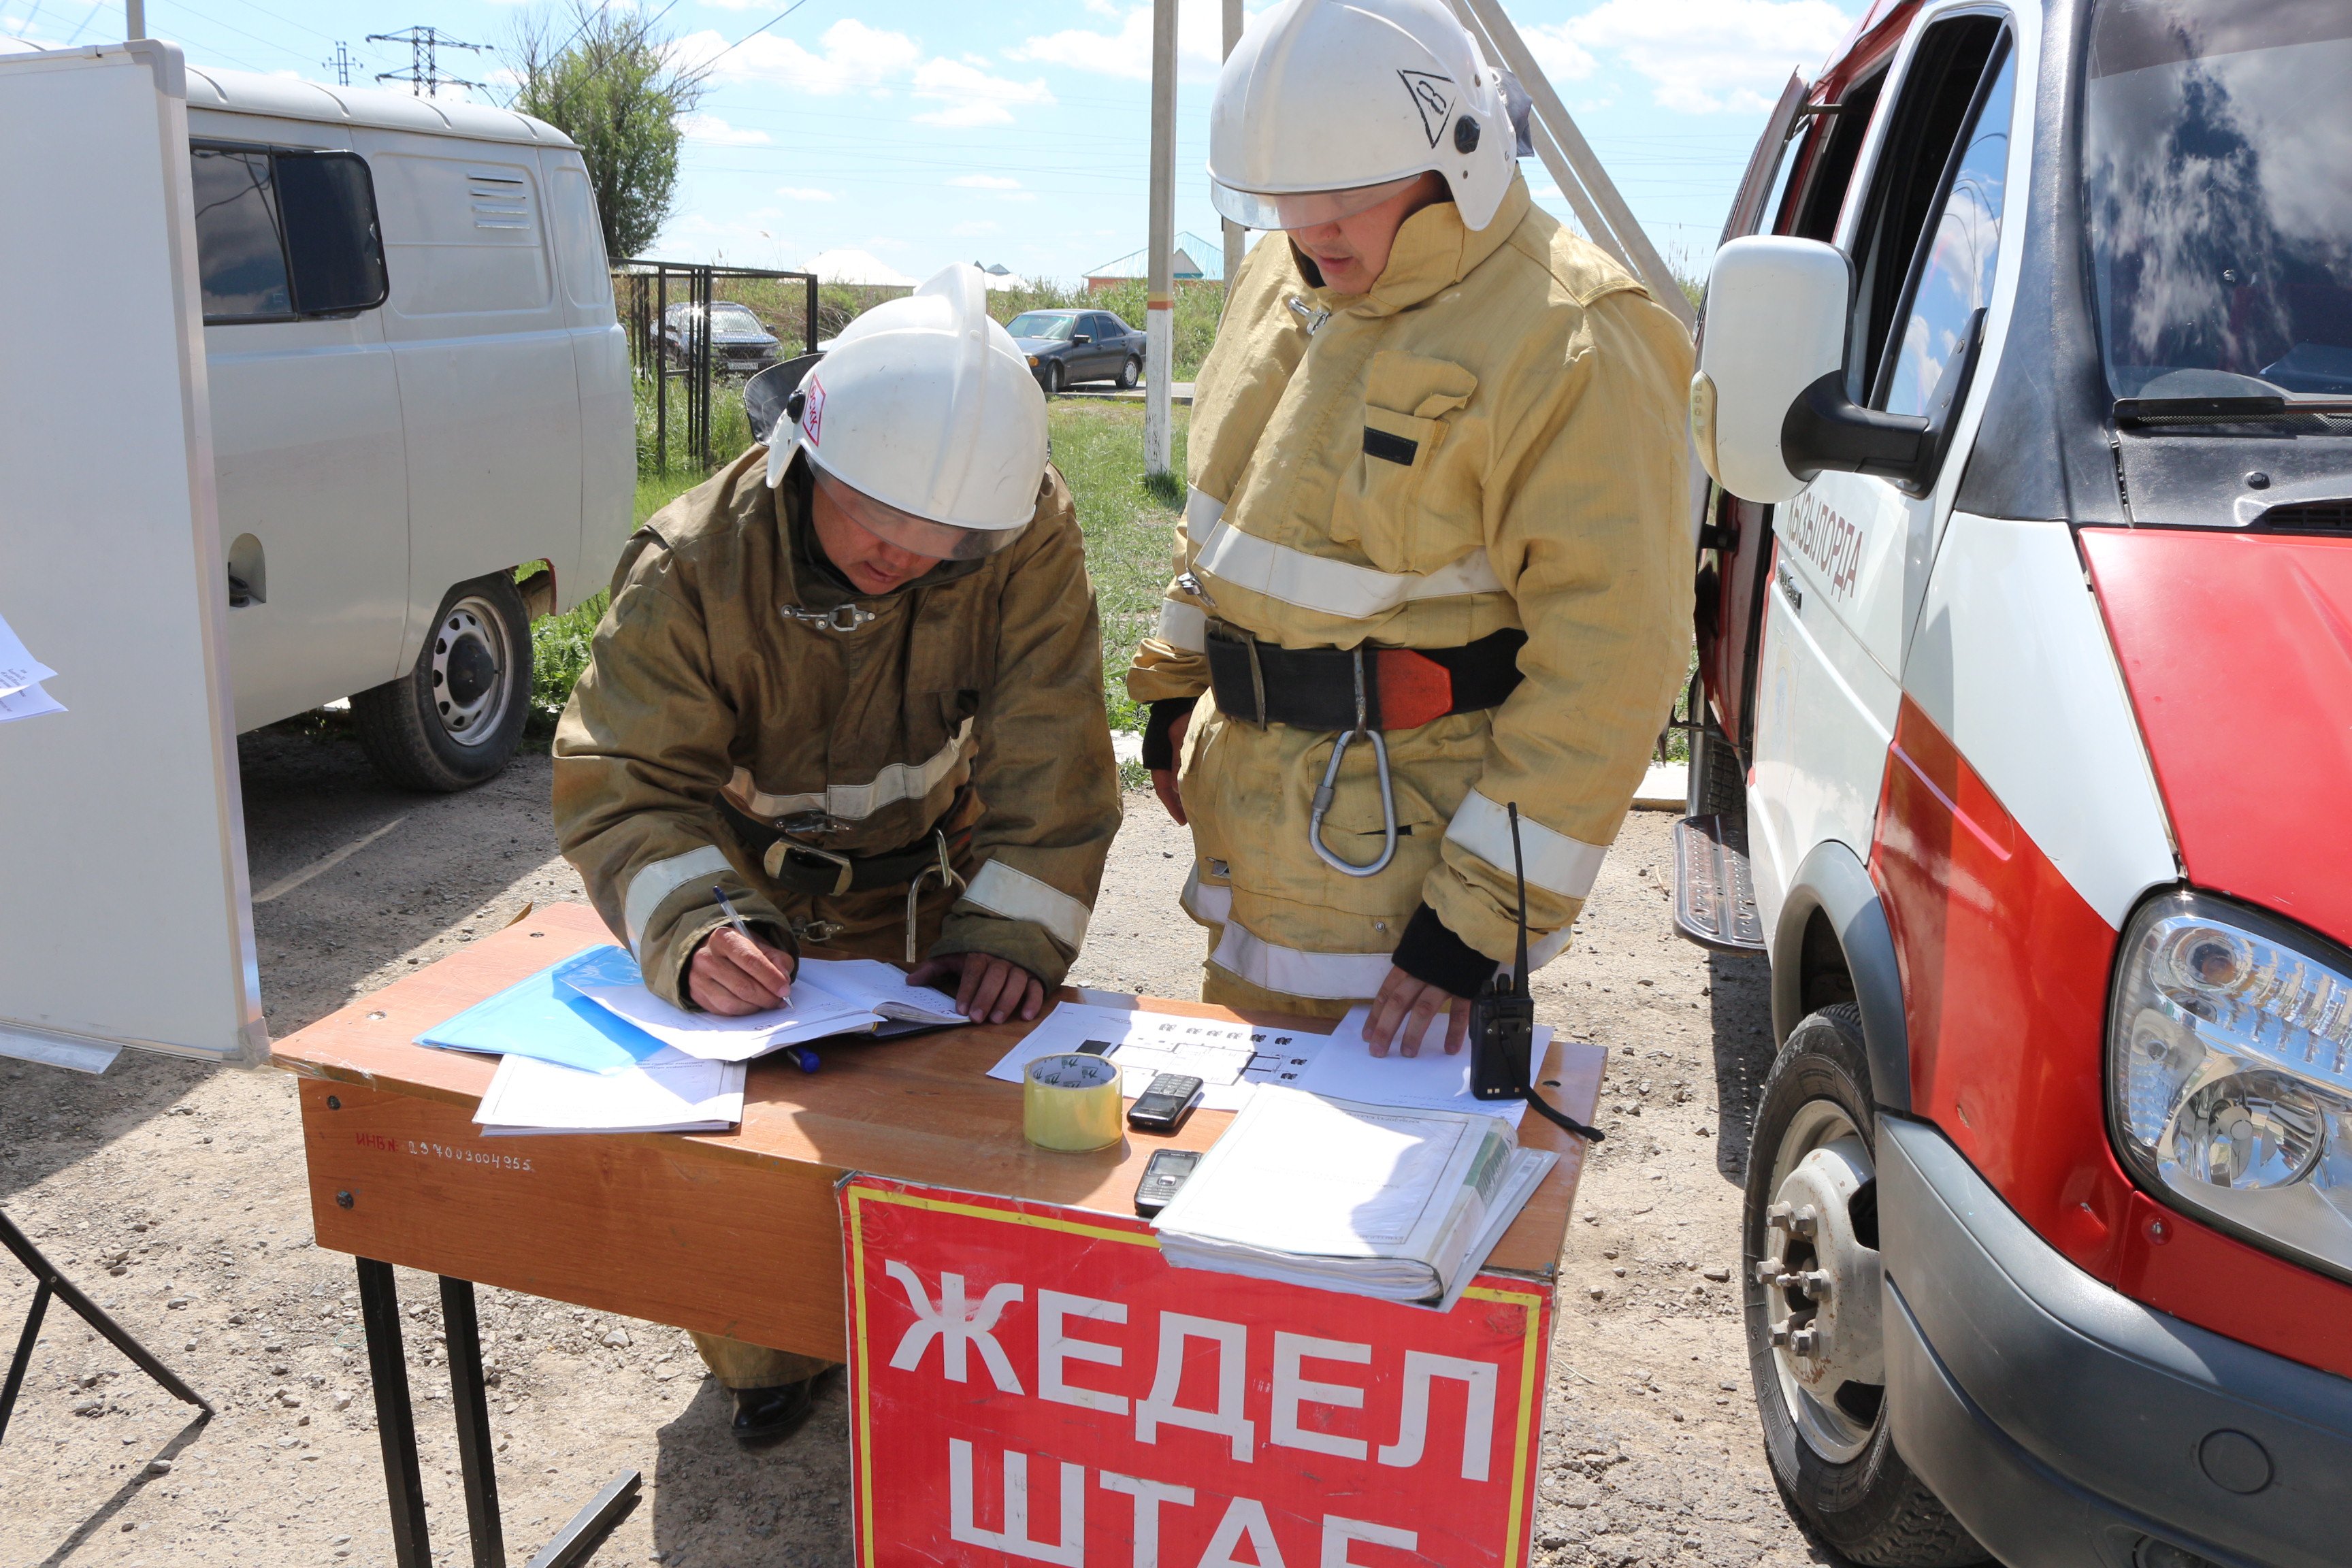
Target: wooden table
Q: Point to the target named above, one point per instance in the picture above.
(735, 1233)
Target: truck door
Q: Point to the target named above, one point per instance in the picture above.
(1853, 550)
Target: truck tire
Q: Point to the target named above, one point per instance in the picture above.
(1815, 1350)
(1719, 786)
(455, 719)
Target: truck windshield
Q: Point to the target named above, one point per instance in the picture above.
(2217, 138)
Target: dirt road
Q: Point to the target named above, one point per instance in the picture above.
(175, 1193)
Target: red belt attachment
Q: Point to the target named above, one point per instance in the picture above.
(1414, 690)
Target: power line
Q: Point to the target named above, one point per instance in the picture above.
(340, 64)
(424, 45)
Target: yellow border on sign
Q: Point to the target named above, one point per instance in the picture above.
(1530, 1350)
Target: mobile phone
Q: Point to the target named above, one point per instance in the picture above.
(1161, 1177)
(1163, 1107)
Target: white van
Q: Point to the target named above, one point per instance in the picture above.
(419, 394)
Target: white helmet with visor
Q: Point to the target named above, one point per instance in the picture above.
(922, 423)
(1329, 107)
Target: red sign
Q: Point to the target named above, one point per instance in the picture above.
(1033, 1385)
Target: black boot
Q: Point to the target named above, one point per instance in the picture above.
(766, 1416)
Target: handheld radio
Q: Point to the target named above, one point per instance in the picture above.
(1503, 1023)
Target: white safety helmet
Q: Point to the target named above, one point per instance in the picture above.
(1329, 107)
(923, 423)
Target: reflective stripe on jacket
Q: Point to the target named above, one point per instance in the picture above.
(703, 682)
(1493, 436)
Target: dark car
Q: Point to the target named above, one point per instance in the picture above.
(1065, 347)
(739, 345)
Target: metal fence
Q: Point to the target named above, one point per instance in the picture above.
(666, 308)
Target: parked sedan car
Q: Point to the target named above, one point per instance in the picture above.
(739, 345)
(1065, 347)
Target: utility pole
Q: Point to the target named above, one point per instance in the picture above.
(1236, 237)
(341, 64)
(1160, 303)
(424, 73)
(135, 18)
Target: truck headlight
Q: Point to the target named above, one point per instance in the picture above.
(2230, 1073)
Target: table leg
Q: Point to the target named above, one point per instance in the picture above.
(24, 1355)
(471, 1403)
(395, 1421)
(48, 1283)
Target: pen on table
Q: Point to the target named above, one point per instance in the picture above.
(802, 1057)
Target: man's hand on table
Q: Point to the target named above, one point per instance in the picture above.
(732, 975)
(1403, 1009)
(989, 990)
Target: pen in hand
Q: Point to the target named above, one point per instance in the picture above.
(800, 1056)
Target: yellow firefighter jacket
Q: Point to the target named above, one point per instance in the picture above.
(732, 665)
(1536, 395)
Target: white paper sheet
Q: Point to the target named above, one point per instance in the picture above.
(30, 703)
(667, 1093)
(1432, 1080)
(1231, 1059)
(608, 977)
(882, 987)
(18, 668)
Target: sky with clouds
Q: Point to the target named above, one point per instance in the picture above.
(1018, 133)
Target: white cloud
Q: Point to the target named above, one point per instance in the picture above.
(756, 239)
(1127, 52)
(1561, 56)
(852, 57)
(969, 96)
(803, 194)
(713, 132)
(1002, 186)
(978, 226)
(1704, 56)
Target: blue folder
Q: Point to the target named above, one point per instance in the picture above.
(543, 1018)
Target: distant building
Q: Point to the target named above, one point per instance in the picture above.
(1001, 278)
(1136, 266)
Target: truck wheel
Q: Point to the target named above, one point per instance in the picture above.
(1718, 786)
(453, 719)
(1129, 373)
(1815, 1349)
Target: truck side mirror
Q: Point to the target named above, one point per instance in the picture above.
(1769, 406)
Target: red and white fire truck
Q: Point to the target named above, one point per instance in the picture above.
(2025, 755)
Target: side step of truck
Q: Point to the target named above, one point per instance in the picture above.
(1715, 900)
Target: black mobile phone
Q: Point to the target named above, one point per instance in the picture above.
(1163, 1107)
(1161, 1177)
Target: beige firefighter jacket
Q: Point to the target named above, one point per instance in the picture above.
(719, 669)
(1543, 392)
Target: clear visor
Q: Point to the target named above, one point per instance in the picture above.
(1300, 209)
(917, 535)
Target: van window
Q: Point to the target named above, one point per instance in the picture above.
(1956, 259)
(1941, 87)
(1826, 182)
(285, 233)
(579, 241)
(466, 234)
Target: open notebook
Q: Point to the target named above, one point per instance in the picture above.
(831, 996)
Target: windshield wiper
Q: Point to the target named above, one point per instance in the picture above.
(2221, 410)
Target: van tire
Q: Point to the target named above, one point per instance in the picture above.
(1868, 1505)
(480, 649)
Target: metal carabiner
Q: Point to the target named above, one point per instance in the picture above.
(947, 879)
(1323, 793)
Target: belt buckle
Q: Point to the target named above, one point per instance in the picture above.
(841, 876)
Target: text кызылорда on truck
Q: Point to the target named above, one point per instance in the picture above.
(2027, 737)
(417, 386)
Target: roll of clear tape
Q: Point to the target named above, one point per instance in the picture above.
(1070, 1103)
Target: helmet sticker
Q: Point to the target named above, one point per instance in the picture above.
(1431, 96)
(812, 416)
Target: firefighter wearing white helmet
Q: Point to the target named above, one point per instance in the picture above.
(1434, 562)
(854, 683)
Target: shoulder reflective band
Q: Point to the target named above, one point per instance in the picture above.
(1070, 1103)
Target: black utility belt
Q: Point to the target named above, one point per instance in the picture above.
(826, 873)
(1361, 688)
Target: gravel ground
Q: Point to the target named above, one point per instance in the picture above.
(175, 1193)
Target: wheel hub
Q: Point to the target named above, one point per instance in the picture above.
(1822, 1284)
(468, 669)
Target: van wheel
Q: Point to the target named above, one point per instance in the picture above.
(1815, 1349)
(1129, 373)
(1719, 786)
(455, 720)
